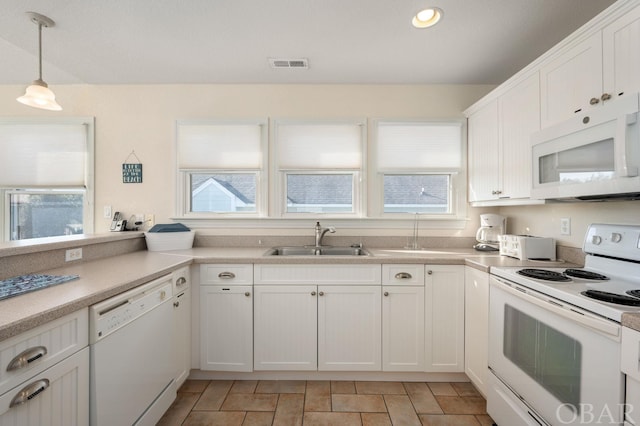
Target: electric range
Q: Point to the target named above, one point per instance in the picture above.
(609, 283)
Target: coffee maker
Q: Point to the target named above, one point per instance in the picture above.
(491, 225)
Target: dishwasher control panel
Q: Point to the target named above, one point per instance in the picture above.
(112, 314)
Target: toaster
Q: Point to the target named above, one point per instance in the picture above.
(527, 247)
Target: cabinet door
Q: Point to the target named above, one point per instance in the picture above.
(621, 55)
(182, 335)
(476, 327)
(444, 318)
(226, 334)
(483, 153)
(519, 119)
(56, 396)
(403, 328)
(285, 327)
(569, 82)
(349, 328)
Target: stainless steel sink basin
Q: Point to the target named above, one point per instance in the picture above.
(317, 251)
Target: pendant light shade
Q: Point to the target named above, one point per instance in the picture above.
(38, 95)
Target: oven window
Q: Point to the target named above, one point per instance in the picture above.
(549, 357)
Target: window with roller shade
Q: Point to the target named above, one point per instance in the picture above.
(46, 177)
(221, 167)
(319, 167)
(417, 166)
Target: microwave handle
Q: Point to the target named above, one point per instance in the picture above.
(627, 134)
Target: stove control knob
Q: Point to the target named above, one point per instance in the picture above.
(596, 239)
(615, 237)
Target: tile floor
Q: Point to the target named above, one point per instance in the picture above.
(344, 403)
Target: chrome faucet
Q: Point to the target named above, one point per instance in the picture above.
(320, 231)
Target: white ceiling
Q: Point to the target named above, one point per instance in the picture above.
(230, 41)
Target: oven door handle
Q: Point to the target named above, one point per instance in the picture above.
(601, 325)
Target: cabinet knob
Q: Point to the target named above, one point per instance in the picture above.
(226, 275)
(429, 272)
(321, 293)
(386, 293)
(247, 294)
(403, 276)
(605, 97)
(594, 101)
(313, 293)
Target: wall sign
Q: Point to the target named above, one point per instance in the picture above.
(132, 172)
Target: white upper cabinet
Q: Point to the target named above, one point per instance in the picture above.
(499, 145)
(572, 82)
(602, 67)
(621, 54)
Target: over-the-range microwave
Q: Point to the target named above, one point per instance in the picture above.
(593, 156)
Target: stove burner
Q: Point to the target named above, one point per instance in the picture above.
(634, 293)
(581, 273)
(543, 274)
(619, 299)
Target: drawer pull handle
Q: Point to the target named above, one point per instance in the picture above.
(181, 281)
(26, 357)
(29, 392)
(403, 276)
(386, 293)
(226, 275)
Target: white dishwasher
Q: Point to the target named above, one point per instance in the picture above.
(132, 372)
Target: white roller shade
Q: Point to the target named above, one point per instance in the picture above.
(42, 155)
(219, 146)
(415, 146)
(319, 146)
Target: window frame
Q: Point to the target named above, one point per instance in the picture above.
(457, 176)
(183, 176)
(278, 189)
(88, 190)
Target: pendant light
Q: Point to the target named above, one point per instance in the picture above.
(38, 95)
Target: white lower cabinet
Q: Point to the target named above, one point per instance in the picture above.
(44, 374)
(286, 327)
(403, 328)
(630, 365)
(349, 328)
(476, 320)
(444, 318)
(226, 329)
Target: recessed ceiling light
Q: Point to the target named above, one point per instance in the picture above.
(427, 17)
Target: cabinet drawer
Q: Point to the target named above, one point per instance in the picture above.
(56, 396)
(31, 352)
(402, 274)
(226, 274)
(318, 274)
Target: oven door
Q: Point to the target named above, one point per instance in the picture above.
(562, 362)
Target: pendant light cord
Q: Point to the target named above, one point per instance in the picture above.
(39, 51)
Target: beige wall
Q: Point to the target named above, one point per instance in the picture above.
(142, 118)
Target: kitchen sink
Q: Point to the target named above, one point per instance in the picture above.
(317, 251)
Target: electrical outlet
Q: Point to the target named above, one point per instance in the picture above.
(106, 212)
(565, 226)
(73, 254)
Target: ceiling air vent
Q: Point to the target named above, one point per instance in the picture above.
(301, 63)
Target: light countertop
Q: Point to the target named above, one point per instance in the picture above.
(103, 278)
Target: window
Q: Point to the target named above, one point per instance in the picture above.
(220, 167)
(46, 177)
(418, 167)
(319, 166)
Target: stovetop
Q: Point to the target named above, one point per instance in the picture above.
(571, 289)
(613, 252)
